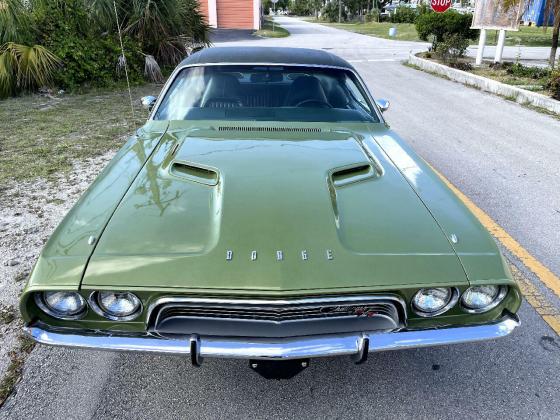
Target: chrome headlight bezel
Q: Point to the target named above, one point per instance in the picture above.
(41, 302)
(500, 296)
(96, 306)
(450, 304)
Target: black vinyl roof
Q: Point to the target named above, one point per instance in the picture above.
(261, 55)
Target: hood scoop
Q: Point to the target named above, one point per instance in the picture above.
(353, 173)
(271, 129)
(195, 173)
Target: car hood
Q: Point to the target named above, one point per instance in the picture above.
(252, 211)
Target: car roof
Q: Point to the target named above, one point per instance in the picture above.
(265, 55)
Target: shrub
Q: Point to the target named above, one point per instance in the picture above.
(330, 12)
(519, 70)
(452, 48)
(554, 84)
(440, 25)
(25, 68)
(404, 14)
(372, 16)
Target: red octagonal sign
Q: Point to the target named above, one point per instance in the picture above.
(440, 6)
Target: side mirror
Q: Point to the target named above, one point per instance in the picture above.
(148, 102)
(383, 104)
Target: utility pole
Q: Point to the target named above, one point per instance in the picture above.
(339, 11)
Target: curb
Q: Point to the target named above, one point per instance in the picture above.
(521, 96)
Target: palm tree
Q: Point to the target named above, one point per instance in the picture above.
(552, 8)
(22, 67)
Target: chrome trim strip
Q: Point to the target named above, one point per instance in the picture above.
(276, 349)
(372, 103)
(278, 302)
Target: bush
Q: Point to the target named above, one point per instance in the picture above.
(404, 14)
(519, 70)
(452, 48)
(554, 84)
(372, 16)
(440, 25)
(330, 12)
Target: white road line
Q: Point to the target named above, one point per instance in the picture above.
(370, 60)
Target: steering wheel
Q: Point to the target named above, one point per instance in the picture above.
(307, 102)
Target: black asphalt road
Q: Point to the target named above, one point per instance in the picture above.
(504, 157)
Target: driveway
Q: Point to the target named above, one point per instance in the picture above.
(501, 155)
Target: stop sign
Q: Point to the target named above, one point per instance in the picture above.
(440, 6)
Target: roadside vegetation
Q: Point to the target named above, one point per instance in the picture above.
(268, 31)
(71, 44)
(529, 36)
(374, 18)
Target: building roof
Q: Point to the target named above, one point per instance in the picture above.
(274, 55)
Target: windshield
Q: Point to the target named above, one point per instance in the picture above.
(273, 93)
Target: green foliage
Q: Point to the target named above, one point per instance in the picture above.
(301, 7)
(554, 83)
(519, 70)
(15, 22)
(25, 68)
(87, 57)
(267, 6)
(94, 61)
(164, 27)
(372, 16)
(440, 25)
(84, 36)
(452, 48)
(330, 12)
(404, 14)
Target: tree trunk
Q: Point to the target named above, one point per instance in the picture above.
(339, 11)
(554, 47)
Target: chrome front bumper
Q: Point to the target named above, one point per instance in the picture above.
(197, 348)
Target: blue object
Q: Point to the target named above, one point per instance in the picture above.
(535, 14)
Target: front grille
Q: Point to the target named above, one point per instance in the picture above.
(276, 318)
(279, 314)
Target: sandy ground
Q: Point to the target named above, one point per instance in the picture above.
(29, 212)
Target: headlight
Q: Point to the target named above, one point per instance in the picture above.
(478, 299)
(117, 306)
(63, 305)
(432, 302)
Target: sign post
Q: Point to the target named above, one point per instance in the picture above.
(481, 44)
(273, 12)
(492, 14)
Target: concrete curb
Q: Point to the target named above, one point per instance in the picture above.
(520, 96)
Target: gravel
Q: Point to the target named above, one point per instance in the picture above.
(29, 212)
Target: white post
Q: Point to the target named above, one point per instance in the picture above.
(500, 46)
(481, 44)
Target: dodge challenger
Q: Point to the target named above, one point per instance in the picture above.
(266, 211)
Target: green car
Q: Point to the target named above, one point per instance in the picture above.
(266, 211)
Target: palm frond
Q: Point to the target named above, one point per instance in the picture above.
(8, 73)
(15, 21)
(152, 71)
(23, 67)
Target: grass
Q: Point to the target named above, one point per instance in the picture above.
(535, 84)
(405, 31)
(267, 32)
(7, 315)
(15, 369)
(42, 135)
(530, 36)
